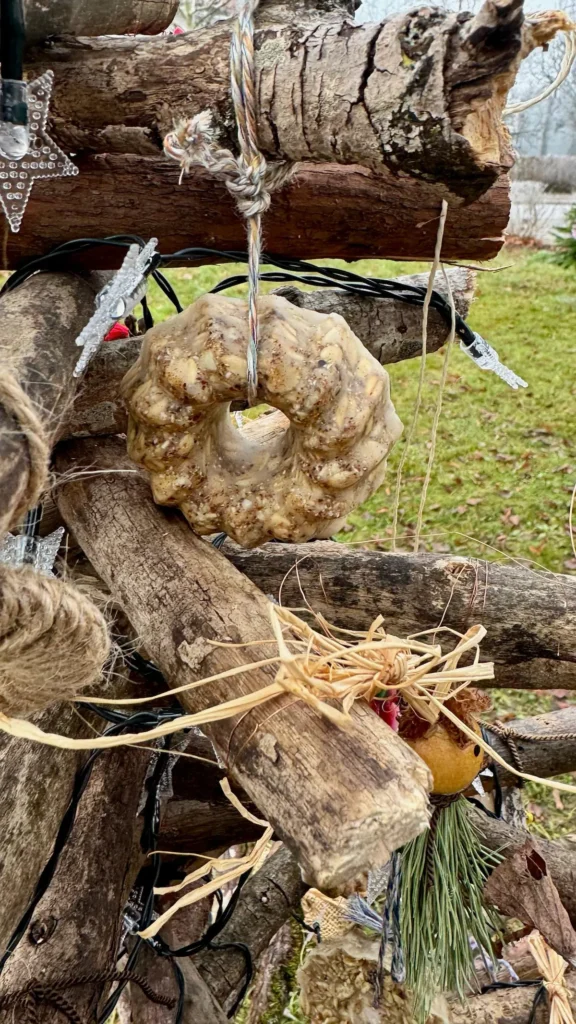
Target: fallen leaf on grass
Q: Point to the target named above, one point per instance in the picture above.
(473, 501)
(570, 563)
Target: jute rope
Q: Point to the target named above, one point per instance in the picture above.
(54, 641)
(21, 408)
(248, 177)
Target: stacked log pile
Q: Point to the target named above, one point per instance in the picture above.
(370, 182)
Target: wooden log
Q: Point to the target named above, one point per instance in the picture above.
(552, 751)
(420, 93)
(266, 902)
(39, 322)
(340, 799)
(385, 97)
(326, 211)
(200, 826)
(47, 18)
(76, 925)
(390, 329)
(530, 616)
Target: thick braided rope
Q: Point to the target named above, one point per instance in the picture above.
(19, 406)
(248, 177)
(54, 641)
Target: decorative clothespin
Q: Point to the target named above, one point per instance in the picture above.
(116, 300)
(26, 150)
(487, 359)
(17, 550)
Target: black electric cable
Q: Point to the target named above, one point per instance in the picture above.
(289, 271)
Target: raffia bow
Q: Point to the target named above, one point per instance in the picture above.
(552, 968)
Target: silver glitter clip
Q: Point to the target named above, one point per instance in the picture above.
(116, 300)
(487, 359)
(17, 550)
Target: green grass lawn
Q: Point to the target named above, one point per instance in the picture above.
(505, 462)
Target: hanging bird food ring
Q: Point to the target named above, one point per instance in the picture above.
(292, 475)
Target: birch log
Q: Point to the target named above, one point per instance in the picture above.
(340, 800)
(530, 616)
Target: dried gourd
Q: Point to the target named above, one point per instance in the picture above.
(292, 475)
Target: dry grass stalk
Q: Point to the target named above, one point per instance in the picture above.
(552, 968)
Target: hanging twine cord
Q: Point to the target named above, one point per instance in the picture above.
(248, 177)
(29, 425)
(35, 993)
(54, 641)
(421, 379)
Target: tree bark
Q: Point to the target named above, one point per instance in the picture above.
(340, 799)
(390, 330)
(76, 925)
(266, 902)
(530, 616)
(39, 322)
(326, 211)
(46, 18)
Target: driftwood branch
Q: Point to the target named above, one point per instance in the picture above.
(530, 616)
(419, 94)
(39, 322)
(340, 800)
(390, 329)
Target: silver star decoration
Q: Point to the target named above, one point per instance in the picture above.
(44, 158)
(39, 553)
(487, 359)
(116, 300)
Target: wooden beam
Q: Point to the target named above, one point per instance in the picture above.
(530, 616)
(342, 800)
(326, 211)
(39, 322)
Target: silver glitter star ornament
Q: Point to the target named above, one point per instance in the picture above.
(116, 300)
(43, 159)
(39, 553)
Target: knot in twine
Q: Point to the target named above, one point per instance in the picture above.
(54, 641)
(22, 410)
(552, 968)
(248, 177)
